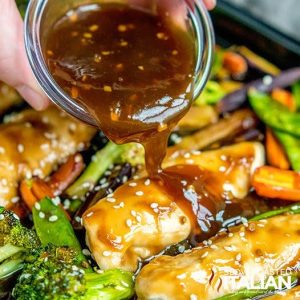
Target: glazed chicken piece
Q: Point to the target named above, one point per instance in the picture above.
(247, 253)
(143, 216)
(8, 97)
(33, 144)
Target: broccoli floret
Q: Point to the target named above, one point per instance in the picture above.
(55, 275)
(16, 243)
(60, 270)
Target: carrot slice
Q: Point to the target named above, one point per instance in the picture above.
(275, 153)
(66, 174)
(284, 97)
(27, 194)
(235, 63)
(37, 189)
(275, 183)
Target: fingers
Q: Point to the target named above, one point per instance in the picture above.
(14, 65)
(210, 4)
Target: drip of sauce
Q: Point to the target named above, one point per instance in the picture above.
(133, 71)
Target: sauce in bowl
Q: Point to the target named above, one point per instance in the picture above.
(133, 71)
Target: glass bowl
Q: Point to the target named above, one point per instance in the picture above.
(42, 14)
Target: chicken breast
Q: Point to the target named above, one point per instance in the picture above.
(34, 143)
(8, 97)
(246, 254)
(143, 216)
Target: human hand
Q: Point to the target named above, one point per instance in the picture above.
(14, 65)
(210, 4)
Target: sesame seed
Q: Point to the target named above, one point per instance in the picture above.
(20, 148)
(105, 53)
(154, 205)
(139, 193)
(86, 252)
(107, 89)
(128, 222)
(139, 219)
(161, 36)
(53, 218)
(122, 28)
(122, 204)
(56, 201)
(41, 215)
(1, 217)
(230, 234)
(123, 43)
(174, 52)
(2, 150)
(37, 206)
(141, 68)
(147, 182)
(94, 28)
(78, 219)
(133, 213)
(204, 255)
(111, 200)
(106, 253)
(238, 257)
(132, 184)
(67, 204)
(89, 214)
(193, 297)
(228, 248)
(15, 199)
(16, 217)
(87, 35)
(78, 159)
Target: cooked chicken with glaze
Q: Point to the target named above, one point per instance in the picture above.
(142, 217)
(33, 144)
(247, 252)
(8, 97)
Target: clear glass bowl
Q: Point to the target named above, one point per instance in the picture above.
(42, 14)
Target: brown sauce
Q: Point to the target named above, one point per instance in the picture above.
(133, 71)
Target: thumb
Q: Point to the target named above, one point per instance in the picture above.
(14, 65)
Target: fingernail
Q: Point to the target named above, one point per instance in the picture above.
(35, 99)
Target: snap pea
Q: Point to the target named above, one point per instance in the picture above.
(291, 146)
(291, 209)
(296, 93)
(274, 114)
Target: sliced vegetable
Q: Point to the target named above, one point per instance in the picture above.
(239, 122)
(99, 164)
(197, 118)
(296, 93)
(275, 153)
(291, 145)
(33, 190)
(211, 94)
(238, 98)
(235, 64)
(271, 182)
(274, 114)
(257, 61)
(285, 98)
(291, 209)
(53, 227)
(116, 179)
